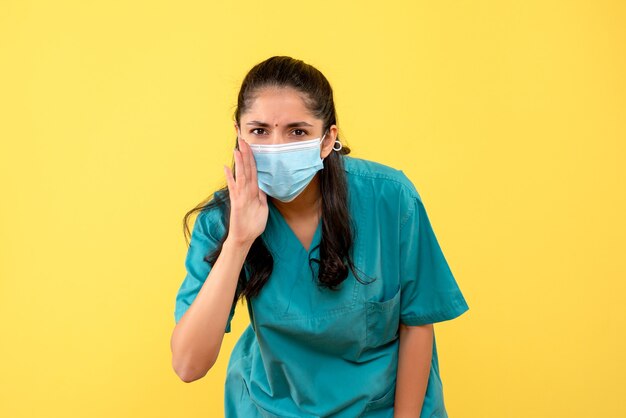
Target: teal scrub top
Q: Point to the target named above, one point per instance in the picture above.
(314, 352)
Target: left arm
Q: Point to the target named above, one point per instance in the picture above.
(414, 358)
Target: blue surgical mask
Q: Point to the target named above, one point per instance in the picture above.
(284, 170)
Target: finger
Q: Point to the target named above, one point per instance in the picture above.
(230, 181)
(245, 153)
(243, 166)
(247, 156)
(252, 173)
(240, 175)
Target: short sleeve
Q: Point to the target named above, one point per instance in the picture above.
(429, 291)
(202, 243)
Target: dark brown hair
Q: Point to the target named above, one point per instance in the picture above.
(337, 228)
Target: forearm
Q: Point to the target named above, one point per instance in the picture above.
(414, 361)
(197, 338)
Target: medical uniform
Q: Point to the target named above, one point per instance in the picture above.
(314, 352)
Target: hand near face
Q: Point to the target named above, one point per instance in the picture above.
(248, 203)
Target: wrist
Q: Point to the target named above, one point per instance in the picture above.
(237, 245)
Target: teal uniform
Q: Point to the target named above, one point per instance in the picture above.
(314, 352)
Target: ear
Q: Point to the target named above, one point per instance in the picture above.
(236, 128)
(329, 142)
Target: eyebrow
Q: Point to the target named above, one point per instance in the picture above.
(289, 125)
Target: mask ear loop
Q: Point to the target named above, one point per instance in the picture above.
(336, 142)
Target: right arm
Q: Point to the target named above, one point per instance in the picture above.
(197, 337)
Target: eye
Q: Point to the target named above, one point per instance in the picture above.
(252, 130)
(301, 130)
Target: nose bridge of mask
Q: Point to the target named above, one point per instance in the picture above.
(285, 147)
(287, 158)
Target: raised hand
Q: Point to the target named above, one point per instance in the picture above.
(248, 203)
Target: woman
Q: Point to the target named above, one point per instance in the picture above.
(336, 257)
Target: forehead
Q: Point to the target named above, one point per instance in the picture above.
(278, 106)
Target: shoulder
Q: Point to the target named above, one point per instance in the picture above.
(210, 220)
(385, 191)
(378, 176)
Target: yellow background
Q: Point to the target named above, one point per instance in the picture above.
(115, 119)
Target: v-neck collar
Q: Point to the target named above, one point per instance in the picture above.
(292, 235)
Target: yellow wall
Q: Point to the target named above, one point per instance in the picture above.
(115, 118)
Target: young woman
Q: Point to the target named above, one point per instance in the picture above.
(336, 257)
